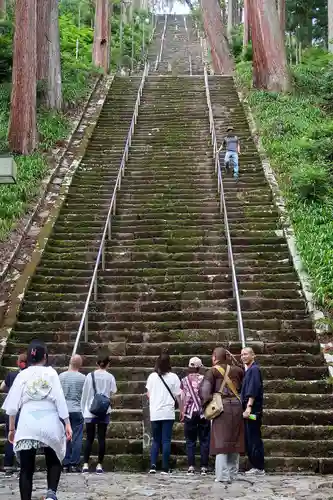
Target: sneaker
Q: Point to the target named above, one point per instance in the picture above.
(255, 472)
(76, 468)
(166, 472)
(152, 469)
(67, 469)
(85, 469)
(191, 471)
(99, 469)
(9, 473)
(203, 471)
(50, 495)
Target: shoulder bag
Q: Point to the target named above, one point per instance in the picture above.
(101, 403)
(169, 391)
(215, 406)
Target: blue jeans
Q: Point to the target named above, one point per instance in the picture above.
(162, 433)
(73, 450)
(234, 156)
(9, 449)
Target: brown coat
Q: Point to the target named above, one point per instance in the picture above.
(227, 434)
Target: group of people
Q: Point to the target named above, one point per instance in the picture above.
(47, 412)
(223, 408)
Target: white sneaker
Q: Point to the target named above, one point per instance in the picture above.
(99, 469)
(191, 471)
(85, 469)
(255, 472)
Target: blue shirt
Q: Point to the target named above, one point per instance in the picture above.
(252, 387)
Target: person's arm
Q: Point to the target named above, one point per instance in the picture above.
(221, 147)
(85, 392)
(252, 390)
(206, 388)
(148, 385)
(238, 147)
(11, 433)
(113, 386)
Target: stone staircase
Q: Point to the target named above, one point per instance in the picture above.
(167, 283)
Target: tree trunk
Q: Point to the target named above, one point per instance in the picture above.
(43, 23)
(215, 33)
(101, 35)
(235, 13)
(270, 69)
(282, 16)
(230, 17)
(54, 94)
(246, 37)
(2, 9)
(330, 25)
(22, 124)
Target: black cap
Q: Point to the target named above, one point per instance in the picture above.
(36, 352)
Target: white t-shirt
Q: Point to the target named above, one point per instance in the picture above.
(105, 384)
(161, 404)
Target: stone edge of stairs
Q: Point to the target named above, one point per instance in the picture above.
(87, 122)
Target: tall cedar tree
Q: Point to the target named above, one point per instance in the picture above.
(246, 30)
(101, 35)
(2, 9)
(215, 33)
(48, 53)
(22, 133)
(270, 71)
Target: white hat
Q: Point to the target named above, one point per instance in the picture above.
(195, 362)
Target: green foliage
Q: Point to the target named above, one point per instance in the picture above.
(297, 133)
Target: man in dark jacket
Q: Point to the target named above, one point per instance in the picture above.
(252, 400)
(227, 432)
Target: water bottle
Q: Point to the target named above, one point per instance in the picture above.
(252, 416)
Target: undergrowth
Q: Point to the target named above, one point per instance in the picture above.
(78, 76)
(297, 134)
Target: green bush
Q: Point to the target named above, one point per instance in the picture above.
(310, 182)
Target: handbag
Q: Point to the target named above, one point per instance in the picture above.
(215, 406)
(101, 403)
(169, 391)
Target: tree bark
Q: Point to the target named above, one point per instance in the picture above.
(2, 9)
(215, 33)
(54, 93)
(22, 124)
(230, 17)
(101, 35)
(270, 69)
(43, 24)
(246, 34)
(282, 16)
(330, 25)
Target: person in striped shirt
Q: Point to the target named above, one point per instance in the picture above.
(195, 424)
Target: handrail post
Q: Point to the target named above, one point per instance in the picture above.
(86, 328)
(95, 289)
(223, 209)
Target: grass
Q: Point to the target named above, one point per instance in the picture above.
(297, 134)
(52, 127)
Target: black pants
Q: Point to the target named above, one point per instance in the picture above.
(253, 443)
(27, 460)
(101, 434)
(194, 428)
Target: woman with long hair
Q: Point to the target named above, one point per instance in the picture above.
(44, 421)
(102, 384)
(163, 391)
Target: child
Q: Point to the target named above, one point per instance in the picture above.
(232, 147)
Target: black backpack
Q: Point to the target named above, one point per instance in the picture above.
(101, 403)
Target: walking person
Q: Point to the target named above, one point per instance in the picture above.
(227, 432)
(72, 382)
(98, 388)
(232, 149)
(9, 457)
(44, 421)
(163, 391)
(195, 424)
(252, 396)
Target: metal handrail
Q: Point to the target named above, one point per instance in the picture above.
(159, 56)
(100, 259)
(223, 210)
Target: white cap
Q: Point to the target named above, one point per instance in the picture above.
(195, 363)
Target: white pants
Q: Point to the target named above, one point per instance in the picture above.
(226, 466)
